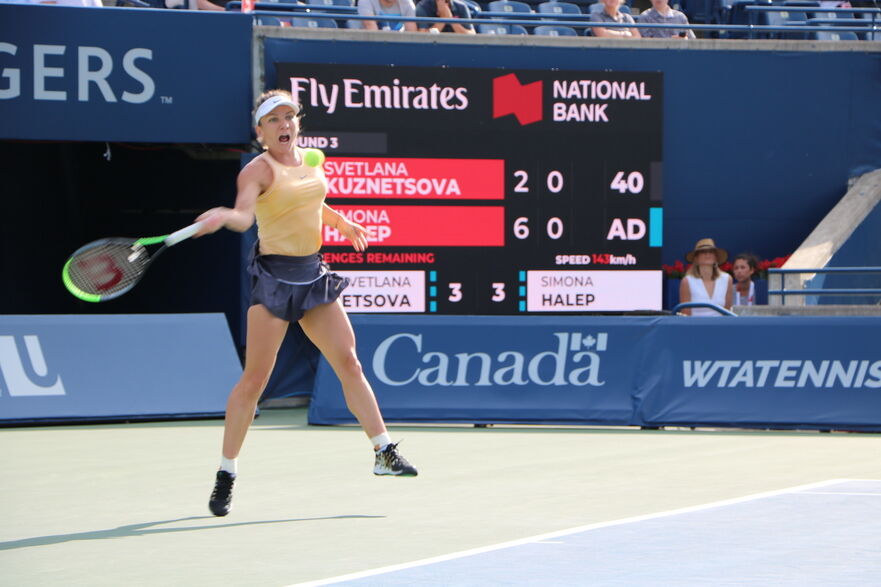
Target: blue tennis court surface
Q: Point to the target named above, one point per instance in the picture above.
(825, 533)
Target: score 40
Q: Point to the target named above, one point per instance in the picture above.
(633, 183)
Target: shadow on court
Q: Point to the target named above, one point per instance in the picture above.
(147, 528)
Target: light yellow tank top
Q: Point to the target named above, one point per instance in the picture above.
(289, 212)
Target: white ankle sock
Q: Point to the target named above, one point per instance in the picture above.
(228, 465)
(381, 441)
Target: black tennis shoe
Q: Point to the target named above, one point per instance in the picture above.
(390, 462)
(221, 497)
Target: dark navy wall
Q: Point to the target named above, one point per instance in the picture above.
(114, 74)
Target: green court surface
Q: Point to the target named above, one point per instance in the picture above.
(126, 504)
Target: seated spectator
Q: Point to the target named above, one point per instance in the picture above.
(214, 5)
(610, 13)
(704, 281)
(661, 13)
(444, 9)
(385, 7)
(745, 268)
(86, 3)
(209, 4)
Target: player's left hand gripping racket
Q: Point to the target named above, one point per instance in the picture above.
(105, 269)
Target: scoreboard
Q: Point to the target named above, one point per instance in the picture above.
(490, 191)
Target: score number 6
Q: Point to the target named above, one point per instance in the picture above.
(554, 227)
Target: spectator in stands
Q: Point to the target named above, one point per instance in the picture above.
(86, 3)
(208, 4)
(610, 13)
(745, 268)
(444, 9)
(661, 13)
(211, 4)
(388, 8)
(704, 281)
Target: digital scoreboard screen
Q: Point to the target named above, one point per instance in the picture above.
(490, 191)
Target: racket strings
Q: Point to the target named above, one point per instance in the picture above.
(108, 267)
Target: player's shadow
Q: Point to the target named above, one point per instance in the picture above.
(146, 528)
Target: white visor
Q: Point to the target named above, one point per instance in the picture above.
(273, 103)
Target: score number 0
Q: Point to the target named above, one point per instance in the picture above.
(555, 184)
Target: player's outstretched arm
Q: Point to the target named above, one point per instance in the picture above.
(252, 181)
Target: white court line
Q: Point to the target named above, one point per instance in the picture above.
(841, 493)
(559, 533)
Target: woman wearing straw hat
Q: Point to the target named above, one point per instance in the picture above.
(704, 281)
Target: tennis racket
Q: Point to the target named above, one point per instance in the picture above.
(107, 268)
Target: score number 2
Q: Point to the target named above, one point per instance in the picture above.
(554, 181)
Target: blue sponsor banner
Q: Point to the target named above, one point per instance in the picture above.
(113, 74)
(768, 372)
(112, 367)
(787, 372)
(491, 369)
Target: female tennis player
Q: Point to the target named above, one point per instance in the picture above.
(289, 282)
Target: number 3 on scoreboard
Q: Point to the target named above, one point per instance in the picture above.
(498, 292)
(455, 292)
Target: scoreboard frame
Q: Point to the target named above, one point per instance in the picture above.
(490, 191)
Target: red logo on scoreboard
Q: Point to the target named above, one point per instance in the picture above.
(512, 97)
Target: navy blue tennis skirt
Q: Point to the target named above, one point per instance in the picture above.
(288, 286)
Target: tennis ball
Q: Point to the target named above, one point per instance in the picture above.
(314, 157)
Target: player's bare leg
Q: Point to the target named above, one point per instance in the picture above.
(265, 335)
(328, 327)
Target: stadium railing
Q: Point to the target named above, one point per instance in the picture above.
(870, 30)
(868, 23)
(688, 305)
(776, 276)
